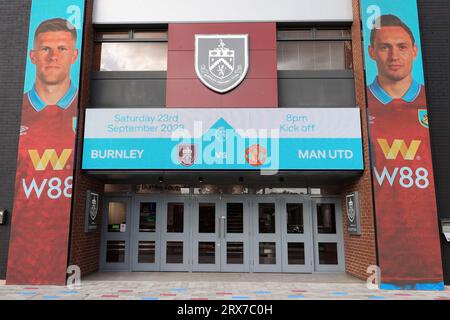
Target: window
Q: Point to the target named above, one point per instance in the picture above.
(314, 49)
(131, 50)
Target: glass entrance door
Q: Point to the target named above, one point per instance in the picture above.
(146, 233)
(328, 235)
(115, 247)
(297, 244)
(234, 235)
(206, 232)
(220, 234)
(266, 221)
(175, 234)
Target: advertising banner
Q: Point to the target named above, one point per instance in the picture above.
(42, 205)
(223, 139)
(405, 204)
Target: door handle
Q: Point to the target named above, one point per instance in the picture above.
(224, 227)
(221, 227)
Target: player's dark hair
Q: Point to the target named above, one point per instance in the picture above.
(54, 25)
(389, 20)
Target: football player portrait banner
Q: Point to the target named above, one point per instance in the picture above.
(38, 249)
(404, 192)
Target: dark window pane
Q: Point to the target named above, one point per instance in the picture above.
(115, 251)
(235, 217)
(174, 253)
(267, 218)
(326, 218)
(207, 252)
(295, 34)
(112, 35)
(267, 253)
(146, 252)
(175, 217)
(133, 56)
(296, 253)
(328, 253)
(314, 55)
(207, 218)
(117, 215)
(333, 34)
(150, 35)
(294, 217)
(235, 253)
(147, 217)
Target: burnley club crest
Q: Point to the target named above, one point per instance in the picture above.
(221, 61)
(187, 154)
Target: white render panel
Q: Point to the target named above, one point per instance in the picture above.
(173, 11)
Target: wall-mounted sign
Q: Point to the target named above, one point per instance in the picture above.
(92, 203)
(223, 139)
(353, 213)
(404, 193)
(221, 61)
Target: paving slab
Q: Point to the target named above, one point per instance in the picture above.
(206, 286)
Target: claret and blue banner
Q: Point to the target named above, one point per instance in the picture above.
(406, 214)
(38, 248)
(223, 139)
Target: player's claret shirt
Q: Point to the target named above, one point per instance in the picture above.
(403, 182)
(45, 157)
(43, 186)
(43, 182)
(47, 127)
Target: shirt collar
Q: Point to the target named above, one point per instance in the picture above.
(64, 103)
(379, 93)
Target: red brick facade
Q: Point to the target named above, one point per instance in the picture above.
(84, 247)
(360, 251)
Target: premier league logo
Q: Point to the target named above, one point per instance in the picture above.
(221, 61)
(187, 154)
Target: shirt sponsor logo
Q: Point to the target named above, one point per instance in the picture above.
(407, 152)
(58, 162)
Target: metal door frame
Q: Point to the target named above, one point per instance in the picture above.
(115, 236)
(251, 238)
(185, 237)
(244, 237)
(206, 237)
(256, 237)
(337, 238)
(137, 236)
(306, 237)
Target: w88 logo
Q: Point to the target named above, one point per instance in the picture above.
(54, 188)
(405, 177)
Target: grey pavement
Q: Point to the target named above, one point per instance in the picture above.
(215, 286)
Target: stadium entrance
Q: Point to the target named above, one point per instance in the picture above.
(222, 233)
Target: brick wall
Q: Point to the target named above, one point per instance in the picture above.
(13, 52)
(84, 247)
(435, 31)
(360, 251)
